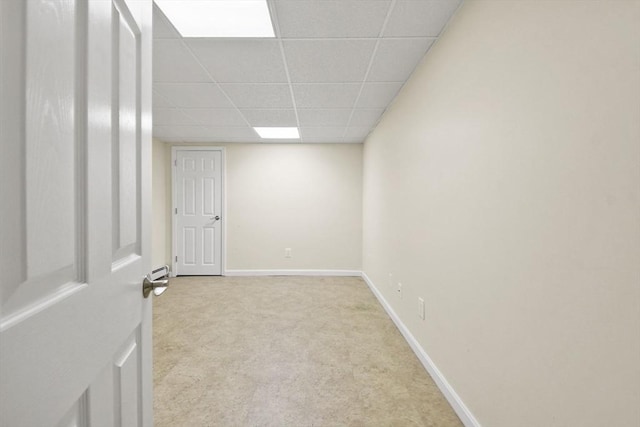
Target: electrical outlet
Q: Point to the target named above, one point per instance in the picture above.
(287, 252)
(421, 308)
(400, 290)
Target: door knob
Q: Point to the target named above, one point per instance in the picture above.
(157, 286)
(215, 218)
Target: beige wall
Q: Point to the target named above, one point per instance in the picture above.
(304, 197)
(299, 196)
(503, 187)
(161, 202)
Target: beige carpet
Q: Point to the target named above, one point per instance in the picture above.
(285, 351)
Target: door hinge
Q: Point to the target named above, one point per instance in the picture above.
(175, 163)
(176, 211)
(176, 258)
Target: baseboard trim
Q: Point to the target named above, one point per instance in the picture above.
(449, 393)
(342, 273)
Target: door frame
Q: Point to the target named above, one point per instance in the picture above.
(174, 202)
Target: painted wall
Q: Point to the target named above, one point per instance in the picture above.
(299, 196)
(161, 205)
(503, 187)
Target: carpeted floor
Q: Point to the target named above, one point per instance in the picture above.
(285, 351)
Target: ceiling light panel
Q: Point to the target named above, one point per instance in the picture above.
(219, 18)
(278, 132)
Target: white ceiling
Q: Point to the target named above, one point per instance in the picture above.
(333, 68)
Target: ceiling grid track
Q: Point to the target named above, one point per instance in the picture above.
(276, 29)
(213, 80)
(366, 75)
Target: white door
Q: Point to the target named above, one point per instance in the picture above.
(75, 329)
(198, 212)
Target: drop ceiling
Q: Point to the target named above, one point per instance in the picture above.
(332, 69)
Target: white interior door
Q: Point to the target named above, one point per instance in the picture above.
(75, 330)
(198, 212)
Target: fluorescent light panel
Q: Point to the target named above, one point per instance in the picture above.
(219, 18)
(277, 133)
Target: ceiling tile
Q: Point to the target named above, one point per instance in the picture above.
(366, 118)
(216, 117)
(421, 18)
(396, 59)
(259, 96)
(319, 61)
(241, 60)
(208, 140)
(280, 141)
(377, 95)
(231, 132)
(337, 140)
(170, 117)
(162, 28)
(193, 95)
(172, 62)
(180, 132)
(278, 118)
(160, 101)
(331, 18)
(321, 132)
(312, 118)
(354, 133)
(326, 95)
(353, 140)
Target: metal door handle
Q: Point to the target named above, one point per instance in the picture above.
(159, 285)
(215, 218)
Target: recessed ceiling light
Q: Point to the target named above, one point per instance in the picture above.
(278, 133)
(219, 18)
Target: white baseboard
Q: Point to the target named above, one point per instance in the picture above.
(343, 273)
(449, 393)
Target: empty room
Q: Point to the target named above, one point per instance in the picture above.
(320, 213)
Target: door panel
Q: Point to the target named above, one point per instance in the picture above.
(44, 260)
(126, 36)
(198, 201)
(208, 246)
(74, 328)
(49, 124)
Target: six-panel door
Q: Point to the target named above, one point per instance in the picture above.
(198, 212)
(75, 330)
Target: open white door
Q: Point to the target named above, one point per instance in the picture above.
(75, 330)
